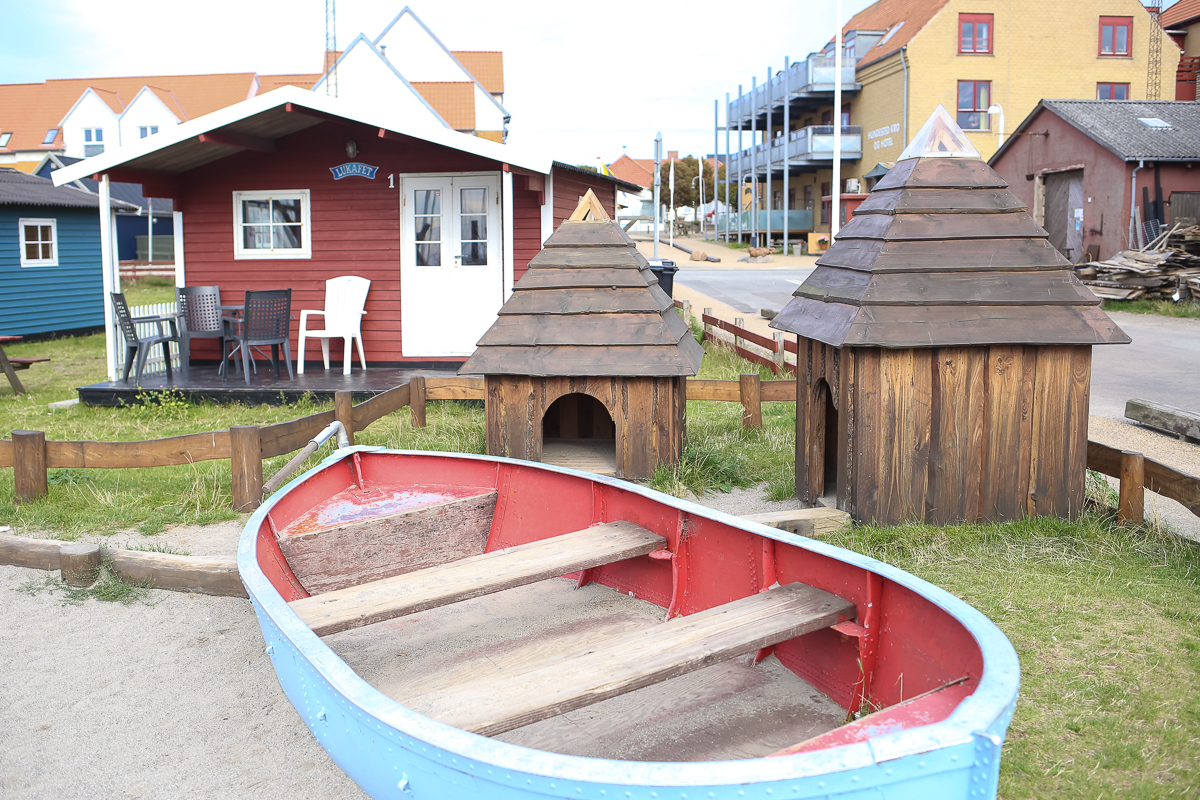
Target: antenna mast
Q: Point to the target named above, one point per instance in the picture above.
(1154, 53)
(331, 48)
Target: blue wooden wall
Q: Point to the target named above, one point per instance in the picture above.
(47, 299)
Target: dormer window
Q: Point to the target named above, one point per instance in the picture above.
(93, 142)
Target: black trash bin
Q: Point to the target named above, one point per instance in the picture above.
(665, 272)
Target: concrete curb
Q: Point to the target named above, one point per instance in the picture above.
(199, 574)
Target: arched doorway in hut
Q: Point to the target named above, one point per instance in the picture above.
(578, 432)
(829, 448)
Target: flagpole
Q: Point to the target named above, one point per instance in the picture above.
(835, 213)
(672, 203)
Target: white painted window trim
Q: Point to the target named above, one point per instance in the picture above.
(253, 254)
(38, 262)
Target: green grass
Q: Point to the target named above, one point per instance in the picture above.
(108, 588)
(148, 290)
(1164, 308)
(1106, 621)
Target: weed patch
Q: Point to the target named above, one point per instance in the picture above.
(108, 588)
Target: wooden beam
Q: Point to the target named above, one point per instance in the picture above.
(475, 576)
(293, 108)
(811, 522)
(154, 184)
(260, 144)
(625, 663)
(1178, 421)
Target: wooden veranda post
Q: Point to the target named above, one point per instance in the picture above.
(245, 451)
(29, 465)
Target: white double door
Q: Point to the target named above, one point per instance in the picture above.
(451, 264)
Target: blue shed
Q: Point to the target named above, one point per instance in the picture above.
(50, 275)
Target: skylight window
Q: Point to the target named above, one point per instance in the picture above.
(1154, 122)
(4, 137)
(890, 34)
(51, 135)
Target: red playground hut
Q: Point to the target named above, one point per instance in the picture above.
(944, 351)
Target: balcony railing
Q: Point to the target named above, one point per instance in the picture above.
(813, 74)
(811, 145)
(797, 220)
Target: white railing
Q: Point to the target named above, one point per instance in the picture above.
(154, 361)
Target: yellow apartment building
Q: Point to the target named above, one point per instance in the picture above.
(905, 57)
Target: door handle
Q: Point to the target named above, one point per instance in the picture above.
(458, 261)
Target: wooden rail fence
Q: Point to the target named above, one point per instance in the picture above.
(247, 446)
(776, 346)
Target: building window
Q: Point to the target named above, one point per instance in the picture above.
(974, 97)
(51, 135)
(974, 33)
(808, 198)
(147, 130)
(272, 224)
(93, 141)
(4, 137)
(39, 242)
(846, 115)
(1112, 91)
(1115, 33)
(826, 204)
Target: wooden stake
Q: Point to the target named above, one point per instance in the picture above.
(750, 385)
(737, 340)
(343, 411)
(687, 312)
(1132, 507)
(245, 447)
(707, 327)
(79, 563)
(416, 400)
(780, 358)
(29, 465)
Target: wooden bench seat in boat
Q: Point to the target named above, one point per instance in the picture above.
(474, 576)
(563, 682)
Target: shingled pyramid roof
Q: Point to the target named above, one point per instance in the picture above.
(589, 305)
(941, 253)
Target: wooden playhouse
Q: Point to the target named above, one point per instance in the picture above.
(944, 351)
(588, 361)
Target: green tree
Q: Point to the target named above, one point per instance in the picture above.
(685, 193)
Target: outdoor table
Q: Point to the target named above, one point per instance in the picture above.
(10, 369)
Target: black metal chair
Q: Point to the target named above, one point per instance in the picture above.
(265, 320)
(200, 318)
(141, 345)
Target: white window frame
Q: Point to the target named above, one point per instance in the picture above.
(38, 262)
(255, 254)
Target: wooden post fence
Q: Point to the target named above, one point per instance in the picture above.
(29, 465)
(245, 451)
(1132, 506)
(416, 400)
(343, 410)
(750, 389)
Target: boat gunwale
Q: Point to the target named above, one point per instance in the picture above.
(978, 715)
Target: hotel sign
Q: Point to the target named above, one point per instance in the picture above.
(354, 168)
(882, 137)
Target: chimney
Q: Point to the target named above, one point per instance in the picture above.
(672, 155)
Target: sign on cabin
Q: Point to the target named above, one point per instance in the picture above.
(354, 168)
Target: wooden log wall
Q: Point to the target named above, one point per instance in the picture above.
(941, 435)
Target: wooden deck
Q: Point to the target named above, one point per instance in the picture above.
(204, 383)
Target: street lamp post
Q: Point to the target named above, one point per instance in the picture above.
(995, 109)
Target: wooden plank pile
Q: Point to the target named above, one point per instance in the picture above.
(1167, 274)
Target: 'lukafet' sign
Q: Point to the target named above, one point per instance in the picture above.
(352, 169)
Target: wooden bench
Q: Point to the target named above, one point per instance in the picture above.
(9, 366)
(564, 682)
(475, 576)
(24, 363)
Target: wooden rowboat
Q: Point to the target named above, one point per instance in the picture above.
(414, 608)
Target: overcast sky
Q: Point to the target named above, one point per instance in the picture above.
(583, 80)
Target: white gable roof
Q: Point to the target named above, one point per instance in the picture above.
(149, 153)
(364, 75)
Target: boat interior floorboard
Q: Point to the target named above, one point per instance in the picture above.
(735, 709)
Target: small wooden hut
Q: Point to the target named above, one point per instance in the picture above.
(587, 364)
(944, 351)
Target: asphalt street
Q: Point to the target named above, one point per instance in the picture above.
(1162, 364)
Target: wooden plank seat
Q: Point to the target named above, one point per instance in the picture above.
(379, 600)
(564, 682)
(25, 363)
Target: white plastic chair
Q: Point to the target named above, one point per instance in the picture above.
(345, 297)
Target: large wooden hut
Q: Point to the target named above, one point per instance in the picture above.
(944, 351)
(588, 361)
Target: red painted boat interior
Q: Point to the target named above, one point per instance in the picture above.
(900, 646)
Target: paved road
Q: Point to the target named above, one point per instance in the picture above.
(748, 290)
(1162, 364)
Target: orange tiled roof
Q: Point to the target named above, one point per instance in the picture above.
(884, 14)
(267, 83)
(1183, 11)
(29, 110)
(634, 170)
(486, 66)
(454, 100)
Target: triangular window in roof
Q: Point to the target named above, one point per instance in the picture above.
(940, 137)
